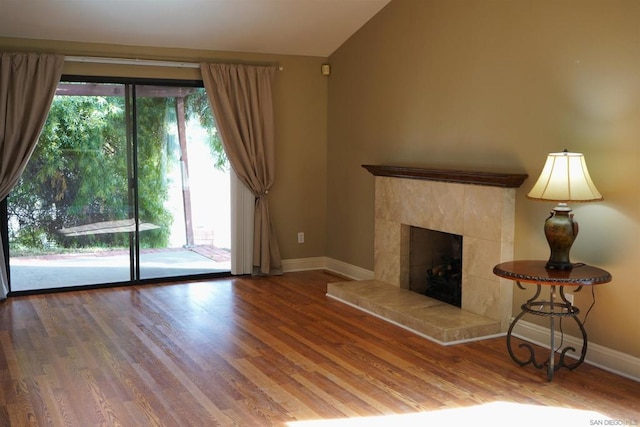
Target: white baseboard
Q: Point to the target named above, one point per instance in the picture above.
(605, 358)
(325, 263)
(348, 270)
(302, 264)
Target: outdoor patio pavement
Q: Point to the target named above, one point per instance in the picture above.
(60, 271)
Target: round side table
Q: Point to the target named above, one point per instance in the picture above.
(534, 271)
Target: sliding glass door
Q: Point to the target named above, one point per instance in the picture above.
(128, 182)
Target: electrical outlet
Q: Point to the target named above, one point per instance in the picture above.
(301, 237)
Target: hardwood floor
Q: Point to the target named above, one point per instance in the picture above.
(253, 352)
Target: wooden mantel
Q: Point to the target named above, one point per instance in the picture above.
(508, 180)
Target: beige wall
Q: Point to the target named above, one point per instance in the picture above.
(495, 85)
(298, 196)
(483, 85)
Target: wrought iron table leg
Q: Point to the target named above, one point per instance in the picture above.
(529, 347)
(532, 306)
(574, 311)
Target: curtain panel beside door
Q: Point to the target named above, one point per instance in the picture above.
(27, 85)
(242, 103)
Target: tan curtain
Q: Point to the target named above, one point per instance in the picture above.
(28, 83)
(242, 103)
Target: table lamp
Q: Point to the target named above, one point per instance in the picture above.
(564, 178)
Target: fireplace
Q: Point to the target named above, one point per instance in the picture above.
(479, 207)
(435, 264)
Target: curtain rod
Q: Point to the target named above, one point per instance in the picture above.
(134, 61)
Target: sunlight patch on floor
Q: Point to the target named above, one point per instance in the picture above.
(495, 413)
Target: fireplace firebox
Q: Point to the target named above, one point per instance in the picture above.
(435, 264)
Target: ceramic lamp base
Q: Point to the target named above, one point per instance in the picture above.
(560, 230)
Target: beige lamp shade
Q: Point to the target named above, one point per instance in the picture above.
(565, 178)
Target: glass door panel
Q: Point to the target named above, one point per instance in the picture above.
(69, 218)
(183, 201)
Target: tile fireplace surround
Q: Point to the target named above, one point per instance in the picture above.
(478, 206)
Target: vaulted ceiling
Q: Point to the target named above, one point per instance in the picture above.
(290, 27)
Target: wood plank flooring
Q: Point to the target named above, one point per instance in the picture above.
(255, 352)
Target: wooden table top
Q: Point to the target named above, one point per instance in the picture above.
(534, 271)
